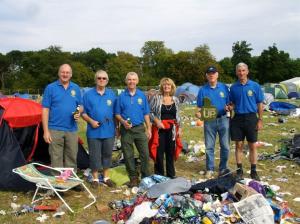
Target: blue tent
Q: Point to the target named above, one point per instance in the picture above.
(22, 95)
(187, 92)
(294, 95)
(187, 88)
(282, 107)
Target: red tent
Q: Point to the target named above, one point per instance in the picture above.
(21, 141)
(20, 113)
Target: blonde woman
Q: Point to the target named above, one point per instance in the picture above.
(166, 130)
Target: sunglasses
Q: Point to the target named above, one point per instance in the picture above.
(103, 78)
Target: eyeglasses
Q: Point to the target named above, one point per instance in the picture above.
(103, 78)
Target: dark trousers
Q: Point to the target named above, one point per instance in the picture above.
(136, 135)
(166, 147)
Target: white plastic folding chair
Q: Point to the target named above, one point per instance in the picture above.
(30, 173)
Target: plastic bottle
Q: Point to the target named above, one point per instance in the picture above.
(159, 201)
(128, 121)
(77, 110)
(228, 114)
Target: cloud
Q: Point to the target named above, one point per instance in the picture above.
(125, 25)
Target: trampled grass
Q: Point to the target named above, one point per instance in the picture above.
(272, 133)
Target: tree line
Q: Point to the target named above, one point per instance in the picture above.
(36, 69)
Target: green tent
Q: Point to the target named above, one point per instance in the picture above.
(277, 92)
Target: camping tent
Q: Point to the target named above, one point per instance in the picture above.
(22, 141)
(268, 98)
(22, 95)
(187, 93)
(282, 107)
(292, 85)
(295, 95)
(276, 91)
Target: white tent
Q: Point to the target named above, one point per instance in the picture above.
(292, 85)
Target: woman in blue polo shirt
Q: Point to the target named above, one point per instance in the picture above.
(98, 112)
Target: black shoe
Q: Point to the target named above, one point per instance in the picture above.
(254, 176)
(239, 175)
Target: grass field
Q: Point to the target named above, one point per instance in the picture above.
(271, 134)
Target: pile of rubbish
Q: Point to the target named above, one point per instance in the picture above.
(221, 200)
(289, 150)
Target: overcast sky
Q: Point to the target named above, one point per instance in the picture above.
(124, 25)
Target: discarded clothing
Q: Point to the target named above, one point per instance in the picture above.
(171, 186)
(218, 185)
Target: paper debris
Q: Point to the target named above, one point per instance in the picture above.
(42, 218)
(280, 168)
(14, 206)
(297, 199)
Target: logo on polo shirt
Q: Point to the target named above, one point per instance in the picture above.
(250, 93)
(108, 102)
(73, 92)
(222, 94)
(140, 101)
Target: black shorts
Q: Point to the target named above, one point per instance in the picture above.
(244, 125)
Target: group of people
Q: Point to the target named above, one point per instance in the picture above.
(154, 127)
(244, 98)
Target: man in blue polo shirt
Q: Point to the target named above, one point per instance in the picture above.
(98, 112)
(246, 97)
(132, 110)
(61, 109)
(218, 94)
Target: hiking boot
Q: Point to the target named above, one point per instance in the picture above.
(95, 184)
(110, 183)
(254, 176)
(133, 182)
(209, 174)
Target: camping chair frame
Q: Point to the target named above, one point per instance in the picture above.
(31, 174)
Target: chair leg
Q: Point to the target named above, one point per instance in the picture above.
(60, 197)
(35, 193)
(90, 193)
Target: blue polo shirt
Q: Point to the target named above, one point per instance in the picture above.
(246, 97)
(134, 107)
(62, 103)
(100, 108)
(219, 96)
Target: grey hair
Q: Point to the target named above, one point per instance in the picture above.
(101, 72)
(241, 64)
(131, 74)
(63, 65)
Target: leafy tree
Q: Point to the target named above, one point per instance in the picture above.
(4, 67)
(202, 58)
(82, 75)
(117, 67)
(294, 68)
(154, 58)
(181, 68)
(227, 67)
(241, 53)
(190, 66)
(273, 65)
(94, 59)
